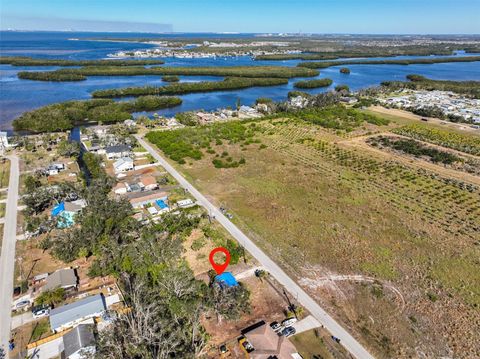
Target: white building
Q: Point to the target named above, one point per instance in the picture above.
(185, 203)
(123, 164)
(3, 141)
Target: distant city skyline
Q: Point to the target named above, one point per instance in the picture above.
(252, 16)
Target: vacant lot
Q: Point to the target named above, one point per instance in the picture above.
(4, 172)
(323, 209)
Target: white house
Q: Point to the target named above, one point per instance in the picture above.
(185, 203)
(123, 164)
(69, 315)
(3, 141)
(55, 168)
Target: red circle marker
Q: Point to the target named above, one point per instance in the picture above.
(219, 268)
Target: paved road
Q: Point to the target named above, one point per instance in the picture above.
(7, 259)
(349, 342)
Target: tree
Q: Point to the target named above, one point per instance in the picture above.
(156, 326)
(69, 149)
(31, 183)
(187, 118)
(229, 302)
(93, 162)
(51, 297)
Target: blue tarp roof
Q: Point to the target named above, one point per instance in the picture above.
(226, 278)
(59, 208)
(161, 204)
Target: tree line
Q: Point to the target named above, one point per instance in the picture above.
(418, 82)
(230, 83)
(29, 61)
(66, 115)
(434, 60)
(225, 71)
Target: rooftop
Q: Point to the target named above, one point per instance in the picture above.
(78, 310)
(267, 343)
(61, 278)
(146, 196)
(117, 149)
(80, 337)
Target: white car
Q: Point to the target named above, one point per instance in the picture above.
(289, 321)
(40, 311)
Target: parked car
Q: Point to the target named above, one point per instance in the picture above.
(229, 215)
(425, 119)
(289, 321)
(16, 292)
(276, 326)
(288, 331)
(22, 304)
(336, 339)
(39, 311)
(245, 345)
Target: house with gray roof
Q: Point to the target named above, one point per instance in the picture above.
(69, 315)
(79, 343)
(117, 151)
(62, 278)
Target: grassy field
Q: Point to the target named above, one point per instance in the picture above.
(321, 208)
(317, 343)
(4, 172)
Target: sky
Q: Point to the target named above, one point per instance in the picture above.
(252, 16)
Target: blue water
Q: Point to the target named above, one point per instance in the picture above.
(17, 96)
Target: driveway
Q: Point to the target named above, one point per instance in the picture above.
(21, 319)
(306, 324)
(348, 341)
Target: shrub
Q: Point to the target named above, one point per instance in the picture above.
(170, 78)
(310, 84)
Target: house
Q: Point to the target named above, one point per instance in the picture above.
(185, 203)
(55, 169)
(117, 151)
(62, 278)
(79, 343)
(99, 131)
(129, 123)
(134, 187)
(139, 200)
(123, 164)
(152, 210)
(66, 211)
(3, 141)
(69, 315)
(149, 183)
(268, 344)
